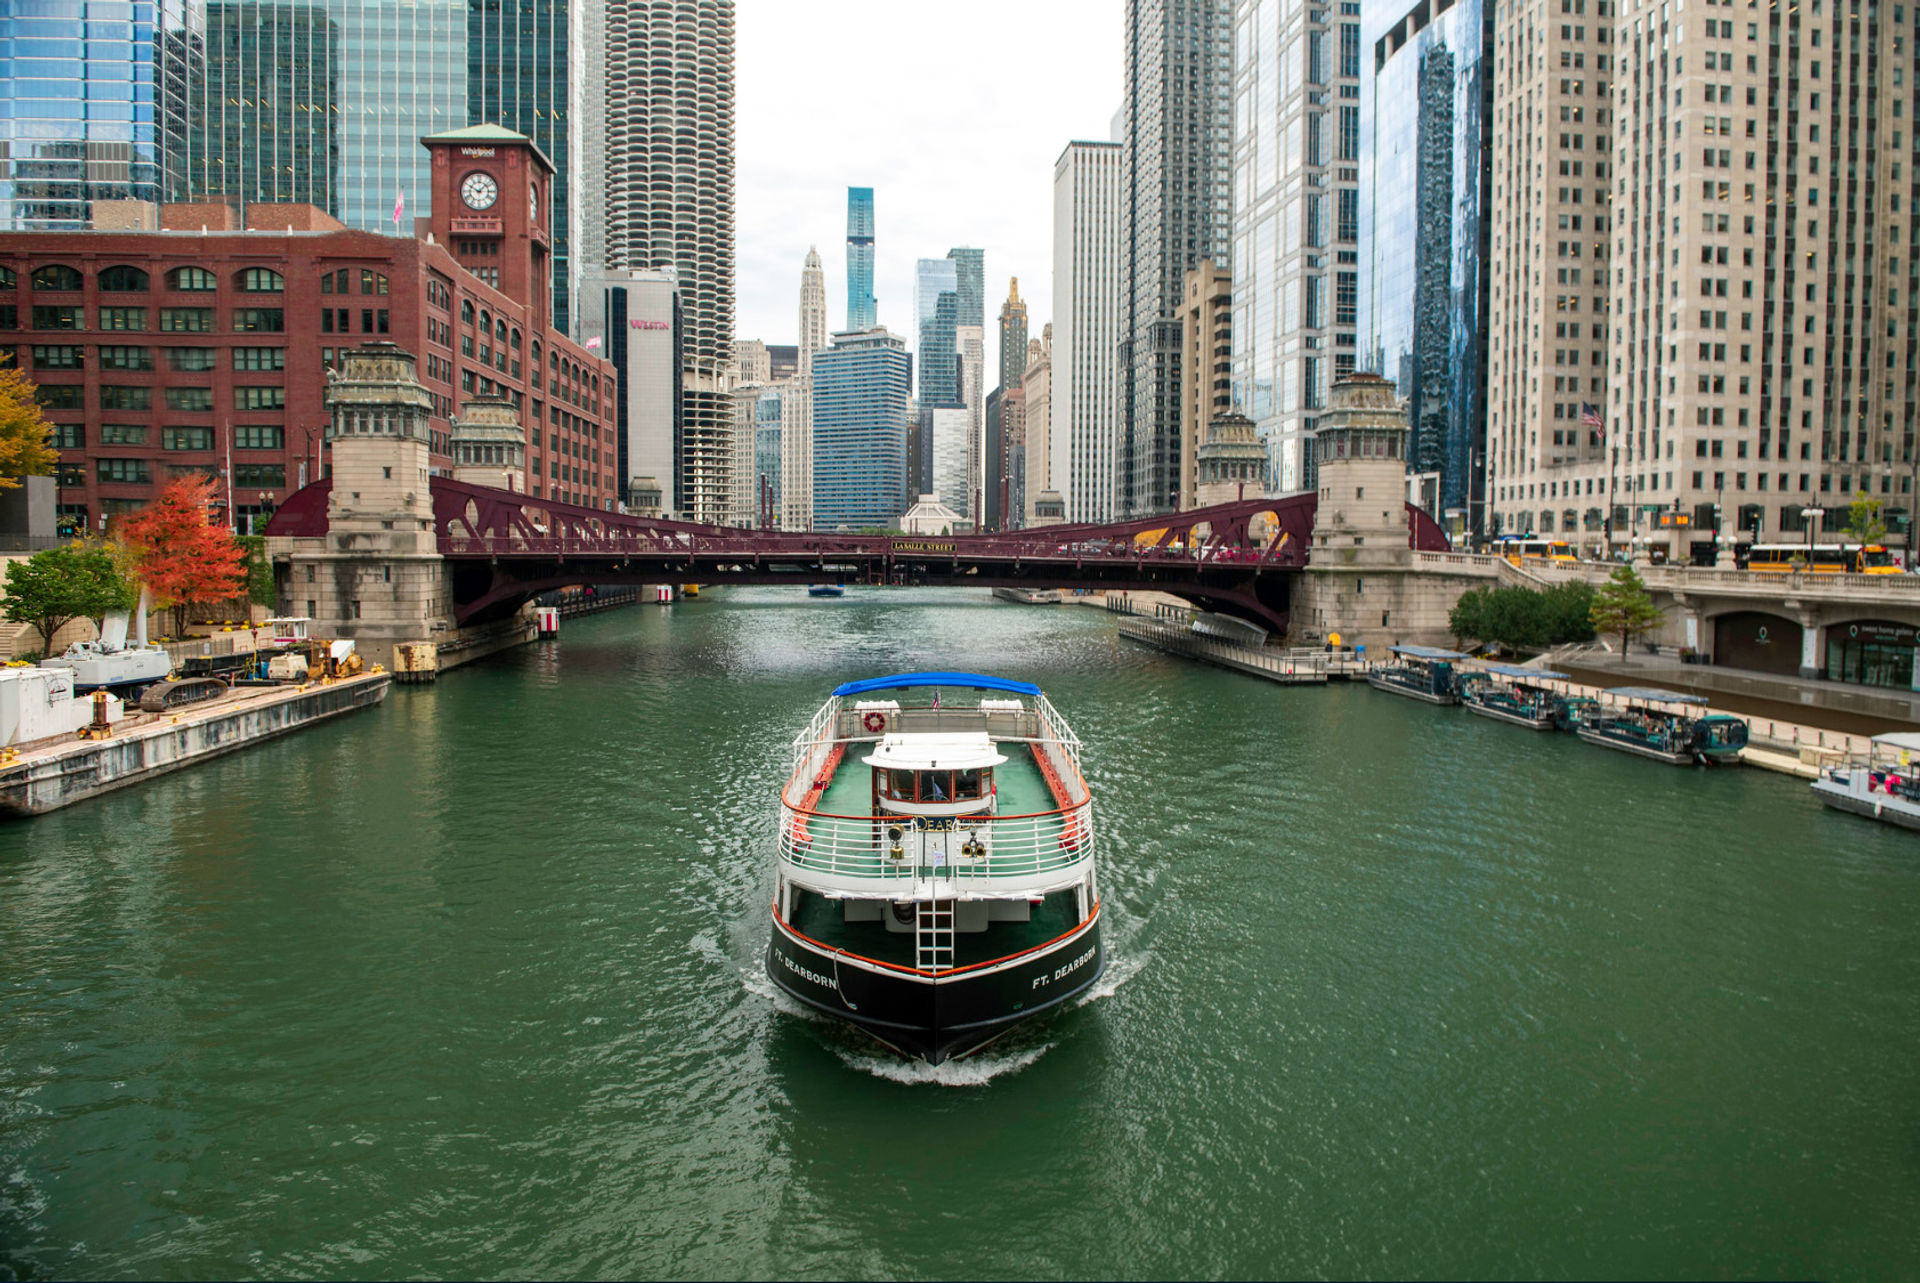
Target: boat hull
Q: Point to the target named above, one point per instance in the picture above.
(1888, 810)
(1543, 722)
(1394, 688)
(1672, 757)
(936, 1018)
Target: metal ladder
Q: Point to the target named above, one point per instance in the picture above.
(933, 933)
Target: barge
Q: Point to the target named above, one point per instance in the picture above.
(1513, 694)
(1677, 736)
(1424, 673)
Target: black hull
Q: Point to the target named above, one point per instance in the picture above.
(936, 1018)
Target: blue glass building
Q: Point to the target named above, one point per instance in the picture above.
(860, 389)
(95, 104)
(1429, 225)
(266, 126)
(970, 279)
(861, 312)
(766, 451)
(936, 303)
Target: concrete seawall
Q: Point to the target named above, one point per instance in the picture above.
(57, 773)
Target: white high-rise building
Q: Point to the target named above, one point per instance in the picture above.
(813, 310)
(659, 113)
(1088, 312)
(952, 465)
(633, 312)
(1037, 381)
(970, 345)
(796, 451)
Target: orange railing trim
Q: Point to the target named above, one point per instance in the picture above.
(916, 971)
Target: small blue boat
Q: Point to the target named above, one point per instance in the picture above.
(1677, 736)
(1513, 694)
(825, 590)
(1419, 672)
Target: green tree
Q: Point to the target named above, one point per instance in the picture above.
(260, 590)
(1523, 618)
(1468, 618)
(1623, 605)
(1865, 524)
(1569, 611)
(51, 589)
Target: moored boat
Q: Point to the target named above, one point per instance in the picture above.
(1514, 694)
(935, 879)
(825, 590)
(1419, 672)
(1637, 723)
(1883, 785)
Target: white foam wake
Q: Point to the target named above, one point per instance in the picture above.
(1119, 971)
(974, 1071)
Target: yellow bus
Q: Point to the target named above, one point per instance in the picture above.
(1523, 548)
(1821, 559)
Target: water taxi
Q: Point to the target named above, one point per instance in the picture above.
(1513, 694)
(1884, 785)
(1677, 736)
(935, 876)
(1419, 672)
(825, 590)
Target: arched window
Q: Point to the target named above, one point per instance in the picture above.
(191, 279)
(123, 279)
(466, 311)
(8, 280)
(486, 323)
(500, 330)
(553, 361)
(516, 340)
(1546, 521)
(55, 276)
(536, 351)
(259, 280)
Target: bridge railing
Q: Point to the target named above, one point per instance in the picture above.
(891, 849)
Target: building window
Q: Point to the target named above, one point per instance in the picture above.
(70, 474)
(260, 475)
(192, 359)
(269, 320)
(259, 280)
(372, 282)
(192, 280)
(123, 434)
(133, 472)
(123, 318)
(259, 436)
(258, 398)
(194, 400)
(123, 280)
(186, 438)
(126, 398)
(259, 358)
(56, 276)
(69, 436)
(63, 356)
(7, 278)
(186, 320)
(126, 358)
(59, 318)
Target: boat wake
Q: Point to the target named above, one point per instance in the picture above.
(1119, 971)
(974, 1071)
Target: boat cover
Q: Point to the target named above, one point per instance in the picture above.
(903, 681)
(1654, 693)
(1426, 652)
(1524, 673)
(1909, 740)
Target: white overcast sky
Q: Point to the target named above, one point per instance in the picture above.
(953, 113)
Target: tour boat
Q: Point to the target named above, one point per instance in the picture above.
(1513, 694)
(1680, 737)
(825, 590)
(935, 881)
(1419, 672)
(1884, 785)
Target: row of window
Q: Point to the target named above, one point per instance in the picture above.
(73, 356)
(72, 396)
(246, 436)
(138, 472)
(173, 320)
(126, 279)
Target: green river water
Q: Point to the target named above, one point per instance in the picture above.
(470, 985)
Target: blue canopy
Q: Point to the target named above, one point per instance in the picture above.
(1522, 672)
(1427, 652)
(1654, 693)
(902, 681)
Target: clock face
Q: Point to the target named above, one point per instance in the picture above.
(479, 191)
(533, 203)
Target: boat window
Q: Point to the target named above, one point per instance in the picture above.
(966, 785)
(900, 785)
(936, 786)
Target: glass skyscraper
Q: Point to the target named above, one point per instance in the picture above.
(94, 105)
(861, 312)
(936, 304)
(860, 388)
(1425, 326)
(970, 279)
(266, 122)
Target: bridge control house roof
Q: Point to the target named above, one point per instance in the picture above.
(172, 339)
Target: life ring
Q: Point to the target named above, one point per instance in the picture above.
(875, 722)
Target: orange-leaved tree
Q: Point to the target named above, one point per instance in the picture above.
(25, 445)
(178, 556)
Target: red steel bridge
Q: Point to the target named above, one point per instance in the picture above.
(503, 548)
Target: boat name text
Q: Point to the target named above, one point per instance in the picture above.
(1058, 972)
(803, 973)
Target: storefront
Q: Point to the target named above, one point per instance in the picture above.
(1871, 652)
(1762, 643)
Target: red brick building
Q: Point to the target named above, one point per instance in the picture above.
(203, 347)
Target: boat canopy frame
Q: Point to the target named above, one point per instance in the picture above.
(907, 681)
(1653, 694)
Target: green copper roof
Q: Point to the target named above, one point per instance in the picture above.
(488, 134)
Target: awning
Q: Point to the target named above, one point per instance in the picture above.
(903, 681)
(1655, 693)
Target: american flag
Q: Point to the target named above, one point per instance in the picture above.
(1590, 416)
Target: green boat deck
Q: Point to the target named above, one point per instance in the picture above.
(821, 919)
(1023, 790)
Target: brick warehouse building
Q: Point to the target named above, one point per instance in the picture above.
(172, 351)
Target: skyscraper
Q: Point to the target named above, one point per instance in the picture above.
(1037, 383)
(813, 310)
(970, 348)
(1006, 417)
(1084, 435)
(1206, 340)
(1177, 141)
(1429, 117)
(860, 388)
(1296, 229)
(970, 279)
(266, 125)
(637, 315)
(96, 104)
(1013, 336)
(518, 57)
(936, 308)
(861, 312)
(660, 123)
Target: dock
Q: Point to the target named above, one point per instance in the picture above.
(47, 774)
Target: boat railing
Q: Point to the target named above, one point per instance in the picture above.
(863, 847)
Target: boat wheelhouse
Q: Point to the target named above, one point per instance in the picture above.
(1514, 694)
(1636, 723)
(935, 879)
(1419, 672)
(1883, 785)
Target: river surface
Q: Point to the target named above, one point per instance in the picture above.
(470, 985)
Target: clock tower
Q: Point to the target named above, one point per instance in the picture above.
(492, 193)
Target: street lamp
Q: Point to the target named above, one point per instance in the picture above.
(1811, 527)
